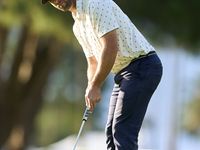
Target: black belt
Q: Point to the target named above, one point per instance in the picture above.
(144, 56)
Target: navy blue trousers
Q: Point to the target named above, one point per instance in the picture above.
(133, 88)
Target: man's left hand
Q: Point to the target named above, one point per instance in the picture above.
(92, 96)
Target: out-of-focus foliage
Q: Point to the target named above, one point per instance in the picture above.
(192, 123)
(43, 19)
(163, 19)
(63, 97)
(192, 114)
(34, 41)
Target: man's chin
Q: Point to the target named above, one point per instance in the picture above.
(64, 6)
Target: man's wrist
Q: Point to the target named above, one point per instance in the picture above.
(94, 84)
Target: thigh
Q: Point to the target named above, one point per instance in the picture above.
(137, 84)
(128, 105)
(125, 125)
(113, 102)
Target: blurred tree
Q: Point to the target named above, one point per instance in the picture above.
(21, 93)
(175, 19)
(192, 117)
(29, 47)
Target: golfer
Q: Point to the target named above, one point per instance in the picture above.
(112, 43)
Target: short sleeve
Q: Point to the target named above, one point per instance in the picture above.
(102, 17)
(86, 48)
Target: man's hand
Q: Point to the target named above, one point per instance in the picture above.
(92, 96)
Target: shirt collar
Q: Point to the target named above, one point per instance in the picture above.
(79, 9)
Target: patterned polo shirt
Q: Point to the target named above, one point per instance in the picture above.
(95, 18)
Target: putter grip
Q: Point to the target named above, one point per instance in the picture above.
(86, 114)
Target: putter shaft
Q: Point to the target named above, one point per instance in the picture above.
(79, 134)
(85, 117)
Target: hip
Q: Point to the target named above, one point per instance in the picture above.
(148, 66)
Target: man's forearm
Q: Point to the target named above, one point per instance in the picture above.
(92, 67)
(104, 67)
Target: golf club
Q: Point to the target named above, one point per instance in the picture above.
(85, 117)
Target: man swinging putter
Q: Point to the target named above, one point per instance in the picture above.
(112, 43)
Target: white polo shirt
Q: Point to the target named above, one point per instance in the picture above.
(95, 18)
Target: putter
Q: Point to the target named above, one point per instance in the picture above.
(85, 117)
